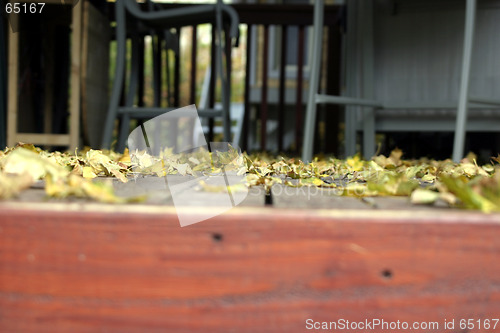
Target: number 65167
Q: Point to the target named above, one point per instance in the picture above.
(24, 8)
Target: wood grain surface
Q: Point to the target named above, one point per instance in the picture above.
(99, 268)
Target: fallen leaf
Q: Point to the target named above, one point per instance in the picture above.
(424, 197)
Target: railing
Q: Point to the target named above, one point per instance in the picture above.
(289, 15)
(268, 16)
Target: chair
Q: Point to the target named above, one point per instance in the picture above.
(362, 97)
(129, 18)
(236, 115)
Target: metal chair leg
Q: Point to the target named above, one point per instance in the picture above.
(459, 140)
(226, 121)
(156, 41)
(119, 76)
(134, 70)
(131, 7)
(131, 93)
(123, 132)
(368, 133)
(366, 17)
(307, 147)
(227, 95)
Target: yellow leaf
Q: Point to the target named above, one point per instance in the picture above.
(428, 178)
(11, 185)
(234, 188)
(184, 169)
(121, 177)
(424, 197)
(22, 161)
(88, 172)
(102, 192)
(355, 163)
(311, 181)
(125, 157)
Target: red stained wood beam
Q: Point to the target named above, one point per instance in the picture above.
(85, 268)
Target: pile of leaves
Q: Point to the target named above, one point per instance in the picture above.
(464, 184)
(87, 174)
(64, 174)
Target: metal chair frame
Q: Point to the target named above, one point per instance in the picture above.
(128, 16)
(370, 104)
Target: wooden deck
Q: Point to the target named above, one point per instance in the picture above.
(77, 266)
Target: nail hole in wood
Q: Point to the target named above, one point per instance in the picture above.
(217, 237)
(386, 274)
